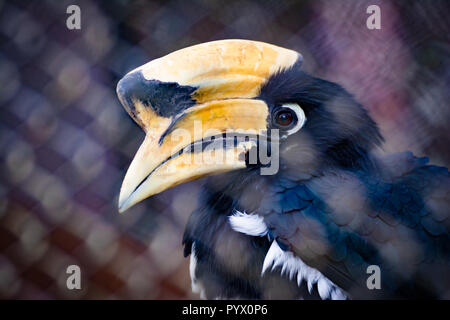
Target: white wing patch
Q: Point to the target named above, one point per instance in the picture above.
(294, 267)
(196, 286)
(254, 225)
(250, 224)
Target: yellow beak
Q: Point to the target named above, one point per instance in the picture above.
(185, 98)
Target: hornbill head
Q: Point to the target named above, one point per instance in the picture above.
(231, 88)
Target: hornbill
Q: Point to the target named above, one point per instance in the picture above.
(334, 213)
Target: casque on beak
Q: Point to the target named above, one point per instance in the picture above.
(189, 95)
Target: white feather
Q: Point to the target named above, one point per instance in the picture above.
(196, 286)
(250, 224)
(292, 265)
(338, 295)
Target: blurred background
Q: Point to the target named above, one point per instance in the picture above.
(66, 142)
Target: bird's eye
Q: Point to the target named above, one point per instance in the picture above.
(289, 118)
(284, 118)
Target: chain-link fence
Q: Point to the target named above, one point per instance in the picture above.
(66, 141)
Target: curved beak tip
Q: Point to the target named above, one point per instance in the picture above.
(124, 204)
(122, 207)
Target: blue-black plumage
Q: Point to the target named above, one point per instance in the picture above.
(336, 209)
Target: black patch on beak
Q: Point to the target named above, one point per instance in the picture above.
(165, 98)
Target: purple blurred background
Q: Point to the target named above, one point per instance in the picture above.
(66, 142)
